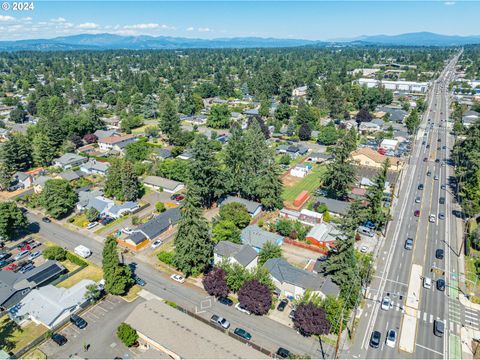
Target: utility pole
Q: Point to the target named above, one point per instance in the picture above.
(339, 336)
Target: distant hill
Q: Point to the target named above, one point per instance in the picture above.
(144, 42)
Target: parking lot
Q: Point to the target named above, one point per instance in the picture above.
(100, 334)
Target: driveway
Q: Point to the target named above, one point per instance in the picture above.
(103, 320)
(298, 256)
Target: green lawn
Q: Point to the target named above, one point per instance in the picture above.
(13, 337)
(310, 183)
(91, 272)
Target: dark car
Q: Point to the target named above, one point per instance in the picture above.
(139, 281)
(283, 353)
(225, 301)
(441, 285)
(106, 220)
(243, 334)
(425, 159)
(59, 339)
(437, 160)
(5, 262)
(428, 146)
(78, 321)
(439, 254)
(420, 186)
(282, 305)
(292, 314)
(46, 220)
(4, 255)
(375, 339)
(441, 200)
(438, 328)
(416, 213)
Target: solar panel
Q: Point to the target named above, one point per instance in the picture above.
(45, 274)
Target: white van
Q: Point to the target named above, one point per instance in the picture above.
(427, 283)
(82, 251)
(366, 231)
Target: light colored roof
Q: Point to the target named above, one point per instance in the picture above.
(254, 236)
(47, 303)
(335, 206)
(251, 206)
(371, 154)
(389, 142)
(41, 180)
(184, 335)
(102, 134)
(93, 164)
(324, 232)
(116, 139)
(162, 182)
(70, 158)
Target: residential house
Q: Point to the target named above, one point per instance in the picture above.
(50, 305)
(116, 143)
(323, 235)
(357, 193)
(244, 255)
(300, 91)
(84, 197)
(304, 216)
(397, 115)
(102, 134)
(317, 157)
(107, 207)
(301, 170)
(39, 183)
(15, 286)
(70, 175)
(335, 207)
(93, 166)
(369, 127)
(255, 237)
(185, 156)
(159, 225)
(253, 207)
(292, 282)
(369, 157)
(24, 179)
(4, 134)
(389, 144)
(69, 160)
(251, 112)
(162, 153)
(162, 184)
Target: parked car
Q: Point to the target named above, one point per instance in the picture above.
(241, 309)
(106, 220)
(5, 262)
(127, 231)
(59, 339)
(282, 305)
(78, 321)
(35, 244)
(4, 255)
(375, 339)
(441, 200)
(439, 254)
(391, 338)
(364, 249)
(34, 255)
(22, 254)
(139, 281)
(225, 301)
(292, 314)
(46, 220)
(92, 225)
(220, 321)
(26, 268)
(243, 334)
(178, 278)
(409, 244)
(11, 267)
(283, 353)
(386, 302)
(427, 283)
(156, 244)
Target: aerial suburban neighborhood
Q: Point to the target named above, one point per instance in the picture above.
(173, 192)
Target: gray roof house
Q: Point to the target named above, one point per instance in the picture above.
(253, 207)
(159, 224)
(85, 196)
(93, 166)
(101, 134)
(50, 305)
(335, 207)
(244, 255)
(255, 237)
(15, 286)
(69, 160)
(163, 184)
(162, 153)
(292, 281)
(71, 175)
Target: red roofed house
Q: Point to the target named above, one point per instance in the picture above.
(115, 142)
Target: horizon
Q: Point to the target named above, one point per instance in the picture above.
(206, 20)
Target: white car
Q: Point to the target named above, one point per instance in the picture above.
(34, 255)
(391, 338)
(92, 225)
(432, 218)
(178, 278)
(127, 231)
(241, 309)
(427, 283)
(386, 303)
(364, 249)
(156, 244)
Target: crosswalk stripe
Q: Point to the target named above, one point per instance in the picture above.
(431, 318)
(424, 316)
(470, 316)
(451, 326)
(375, 297)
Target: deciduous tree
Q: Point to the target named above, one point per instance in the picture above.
(255, 297)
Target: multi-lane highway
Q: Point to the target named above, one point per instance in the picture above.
(427, 166)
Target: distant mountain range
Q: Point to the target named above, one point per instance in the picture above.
(144, 42)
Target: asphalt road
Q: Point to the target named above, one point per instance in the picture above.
(394, 262)
(266, 332)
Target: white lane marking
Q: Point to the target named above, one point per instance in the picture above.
(418, 314)
(431, 318)
(451, 326)
(424, 316)
(431, 350)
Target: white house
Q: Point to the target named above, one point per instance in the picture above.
(93, 166)
(244, 255)
(69, 160)
(49, 305)
(301, 170)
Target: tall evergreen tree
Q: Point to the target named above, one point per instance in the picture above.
(235, 160)
(131, 187)
(43, 150)
(16, 153)
(375, 196)
(113, 182)
(340, 172)
(193, 246)
(204, 172)
(269, 188)
(118, 277)
(169, 120)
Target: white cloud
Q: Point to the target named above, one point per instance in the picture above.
(449, 3)
(6, 18)
(191, 28)
(58, 20)
(149, 26)
(202, 29)
(88, 25)
(28, 18)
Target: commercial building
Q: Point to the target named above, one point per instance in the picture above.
(400, 85)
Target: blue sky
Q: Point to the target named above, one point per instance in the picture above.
(316, 20)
